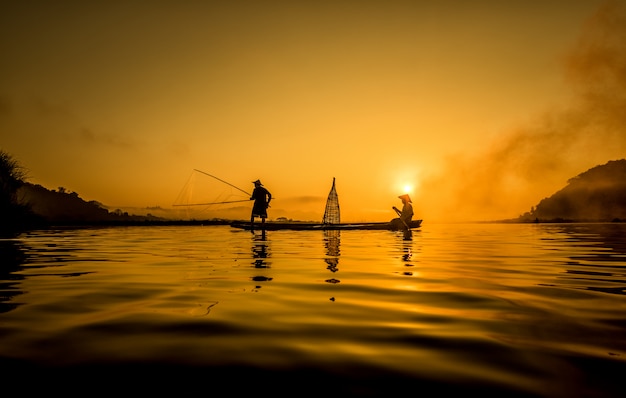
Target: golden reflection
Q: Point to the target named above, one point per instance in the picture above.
(331, 244)
(407, 256)
(260, 254)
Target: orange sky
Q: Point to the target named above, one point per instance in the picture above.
(482, 107)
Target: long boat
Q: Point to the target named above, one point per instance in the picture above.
(330, 221)
(303, 225)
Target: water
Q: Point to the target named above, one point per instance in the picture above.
(493, 309)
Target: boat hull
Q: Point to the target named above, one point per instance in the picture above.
(297, 225)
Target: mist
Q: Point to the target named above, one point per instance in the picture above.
(533, 161)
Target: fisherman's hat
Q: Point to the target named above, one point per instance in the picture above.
(257, 182)
(407, 197)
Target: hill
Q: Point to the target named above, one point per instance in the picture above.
(63, 208)
(597, 195)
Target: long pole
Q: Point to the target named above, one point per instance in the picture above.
(213, 203)
(227, 183)
(407, 233)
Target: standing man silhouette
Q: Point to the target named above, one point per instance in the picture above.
(262, 198)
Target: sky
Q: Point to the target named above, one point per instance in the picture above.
(478, 109)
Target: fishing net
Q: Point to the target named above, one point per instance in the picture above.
(331, 213)
(207, 196)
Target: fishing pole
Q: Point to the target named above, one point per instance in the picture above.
(212, 203)
(225, 182)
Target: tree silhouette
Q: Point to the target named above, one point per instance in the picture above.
(13, 215)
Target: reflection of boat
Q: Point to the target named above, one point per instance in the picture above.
(302, 225)
(331, 221)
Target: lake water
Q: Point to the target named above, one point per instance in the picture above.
(492, 309)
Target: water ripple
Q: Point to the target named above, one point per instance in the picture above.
(515, 310)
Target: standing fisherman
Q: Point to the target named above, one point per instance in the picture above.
(262, 198)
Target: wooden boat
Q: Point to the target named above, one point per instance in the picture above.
(302, 225)
(330, 221)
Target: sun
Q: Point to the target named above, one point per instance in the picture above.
(405, 182)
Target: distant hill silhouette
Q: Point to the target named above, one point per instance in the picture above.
(61, 207)
(68, 209)
(597, 195)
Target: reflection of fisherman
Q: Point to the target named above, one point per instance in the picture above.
(405, 216)
(262, 198)
(260, 252)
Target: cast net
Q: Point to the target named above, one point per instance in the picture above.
(207, 196)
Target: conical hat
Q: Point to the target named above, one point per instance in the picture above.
(406, 197)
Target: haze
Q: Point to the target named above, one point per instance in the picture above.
(478, 108)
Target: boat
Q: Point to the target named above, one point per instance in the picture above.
(304, 225)
(330, 221)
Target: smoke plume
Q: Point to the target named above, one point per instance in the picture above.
(532, 162)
